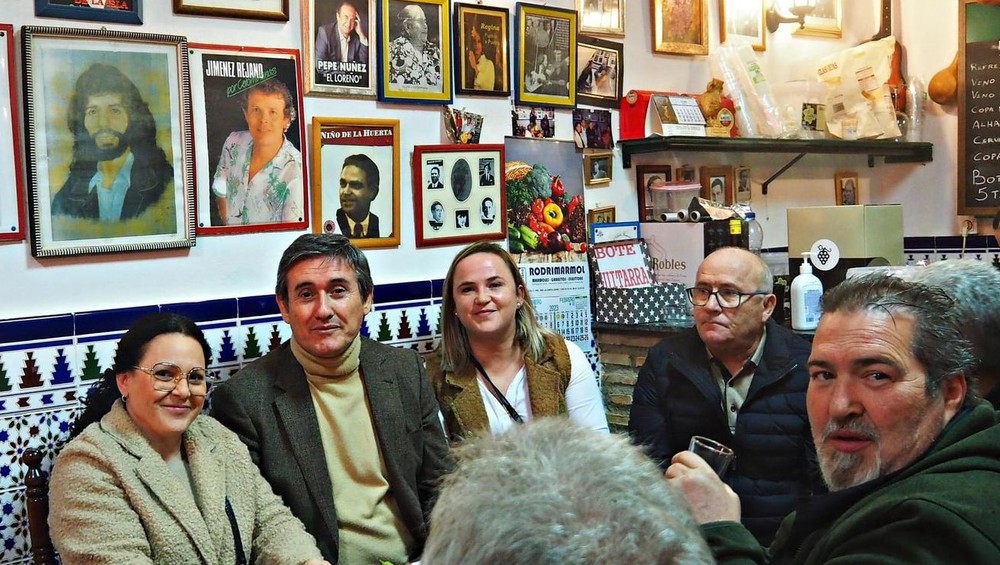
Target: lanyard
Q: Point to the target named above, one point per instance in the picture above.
(496, 392)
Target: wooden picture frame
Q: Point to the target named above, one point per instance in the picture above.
(602, 17)
(348, 152)
(325, 72)
(459, 193)
(847, 188)
(241, 85)
(597, 168)
(717, 184)
(488, 28)
(645, 176)
(276, 10)
(600, 66)
(11, 165)
(601, 215)
(145, 136)
(405, 77)
(743, 19)
(545, 54)
(744, 184)
(826, 20)
(680, 28)
(122, 12)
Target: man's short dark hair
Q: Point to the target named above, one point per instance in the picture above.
(367, 166)
(328, 246)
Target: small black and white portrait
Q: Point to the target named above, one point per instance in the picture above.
(486, 177)
(461, 219)
(434, 173)
(461, 180)
(487, 211)
(436, 218)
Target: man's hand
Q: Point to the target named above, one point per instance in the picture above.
(360, 32)
(710, 499)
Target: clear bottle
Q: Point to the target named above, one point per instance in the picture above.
(916, 98)
(806, 291)
(755, 233)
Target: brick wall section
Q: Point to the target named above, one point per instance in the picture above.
(622, 354)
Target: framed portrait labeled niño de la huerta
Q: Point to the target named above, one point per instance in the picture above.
(115, 11)
(482, 54)
(599, 64)
(414, 39)
(459, 193)
(545, 56)
(680, 26)
(251, 169)
(355, 174)
(11, 166)
(246, 9)
(109, 141)
(335, 66)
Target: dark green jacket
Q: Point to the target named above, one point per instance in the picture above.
(943, 508)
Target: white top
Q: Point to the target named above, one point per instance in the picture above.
(583, 397)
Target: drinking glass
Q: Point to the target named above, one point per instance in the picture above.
(717, 456)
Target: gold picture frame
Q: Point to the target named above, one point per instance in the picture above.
(680, 27)
(826, 20)
(743, 19)
(846, 188)
(601, 215)
(597, 168)
(602, 17)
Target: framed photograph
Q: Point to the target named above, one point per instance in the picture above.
(597, 168)
(743, 184)
(680, 27)
(846, 188)
(599, 82)
(109, 110)
(115, 11)
(826, 20)
(246, 9)
(602, 17)
(482, 52)
(356, 161)
(717, 184)
(11, 165)
(618, 231)
(601, 215)
(685, 173)
(743, 19)
(415, 41)
(458, 193)
(545, 56)
(251, 172)
(330, 69)
(647, 176)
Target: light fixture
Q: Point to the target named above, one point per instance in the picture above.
(799, 9)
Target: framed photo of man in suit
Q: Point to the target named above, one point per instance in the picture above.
(338, 47)
(355, 168)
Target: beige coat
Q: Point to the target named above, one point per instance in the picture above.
(113, 499)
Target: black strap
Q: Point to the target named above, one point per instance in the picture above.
(241, 558)
(496, 393)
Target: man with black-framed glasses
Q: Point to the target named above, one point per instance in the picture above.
(739, 378)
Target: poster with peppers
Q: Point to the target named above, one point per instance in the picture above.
(545, 197)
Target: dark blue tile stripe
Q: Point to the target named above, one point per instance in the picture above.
(253, 306)
(36, 344)
(399, 292)
(223, 309)
(31, 329)
(103, 321)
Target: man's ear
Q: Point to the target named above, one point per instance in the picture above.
(369, 302)
(282, 307)
(953, 390)
(770, 302)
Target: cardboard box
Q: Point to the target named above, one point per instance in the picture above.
(624, 289)
(677, 248)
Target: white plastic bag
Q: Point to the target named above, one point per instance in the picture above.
(858, 103)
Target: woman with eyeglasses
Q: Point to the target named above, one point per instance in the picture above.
(145, 478)
(498, 366)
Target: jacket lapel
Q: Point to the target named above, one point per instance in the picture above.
(384, 403)
(467, 404)
(208, 471)
(544, 386)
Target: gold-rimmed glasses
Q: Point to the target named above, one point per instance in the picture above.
(166, 375)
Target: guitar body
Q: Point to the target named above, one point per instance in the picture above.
(896, 82)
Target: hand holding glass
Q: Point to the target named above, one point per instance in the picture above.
(717, 456)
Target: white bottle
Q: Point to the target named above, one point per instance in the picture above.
(755, 233)
(805, 294)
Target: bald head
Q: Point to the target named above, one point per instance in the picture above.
(742, 264)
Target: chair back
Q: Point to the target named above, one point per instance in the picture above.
(36, 484)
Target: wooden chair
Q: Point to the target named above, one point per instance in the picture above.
(36, 484)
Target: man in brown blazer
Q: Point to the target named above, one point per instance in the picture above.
(344, 428)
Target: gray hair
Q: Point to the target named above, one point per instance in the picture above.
(938, 343)
(975, 286)
(551, 492)
(328, 246)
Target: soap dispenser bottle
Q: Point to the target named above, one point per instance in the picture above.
(805, 295)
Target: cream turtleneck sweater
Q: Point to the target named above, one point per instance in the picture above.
(369, 523)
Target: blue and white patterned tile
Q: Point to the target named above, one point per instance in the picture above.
(16, 545)
(258, 336)
(46, 430)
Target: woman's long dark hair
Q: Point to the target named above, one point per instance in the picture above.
(131, 347)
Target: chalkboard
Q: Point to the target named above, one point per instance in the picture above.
(978, 109)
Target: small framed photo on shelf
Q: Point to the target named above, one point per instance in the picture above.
(414, 40)
(276, 10)
(601, 215)
(717, 184)
(482, 52)
(356, 160)
(121, 11)
(597, 168)
(647, 176)
(846, 188)
(599, 67)
(826, 20)
(545, 56)
(743, 185)
(459, 193)
(743, 19)
(680, 28)
(327, 70)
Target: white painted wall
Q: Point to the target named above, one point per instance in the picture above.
(225, 266)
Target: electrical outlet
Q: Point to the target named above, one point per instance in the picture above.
(967, 225)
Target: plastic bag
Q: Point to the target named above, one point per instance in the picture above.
(858, 102)
(746, 84)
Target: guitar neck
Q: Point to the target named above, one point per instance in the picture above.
(885, 25)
